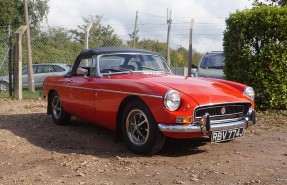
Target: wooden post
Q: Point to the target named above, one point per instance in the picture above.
(87, 31)
(169, 21)
(29, 50)
(17, 79)
(86, 41)
(10, 66)
(190, 50)
(135, 30)
(168, 44)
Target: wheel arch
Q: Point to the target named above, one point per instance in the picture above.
(4, 80)
(121, 109)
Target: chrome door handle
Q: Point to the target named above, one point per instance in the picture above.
(70, 81)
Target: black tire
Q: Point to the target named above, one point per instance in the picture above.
(59, 116)
(4, 87)
(144, 136)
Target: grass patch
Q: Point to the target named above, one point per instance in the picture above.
(26, 94)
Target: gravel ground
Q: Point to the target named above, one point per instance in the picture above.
(33, 150)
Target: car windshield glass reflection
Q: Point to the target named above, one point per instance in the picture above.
(215, 61)
(132, 62)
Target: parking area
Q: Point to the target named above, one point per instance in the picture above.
(33, 150)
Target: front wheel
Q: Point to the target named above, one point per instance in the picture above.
(4, 87)
(59, 115)
(140, 131)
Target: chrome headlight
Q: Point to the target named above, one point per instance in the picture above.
(172, 100)
(249, 92)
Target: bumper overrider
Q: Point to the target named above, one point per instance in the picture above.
(206, 126)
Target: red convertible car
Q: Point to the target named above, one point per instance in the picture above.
(134, 93)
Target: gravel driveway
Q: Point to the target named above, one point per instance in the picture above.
(33, 150)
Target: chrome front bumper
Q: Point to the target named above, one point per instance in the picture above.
(205, 126)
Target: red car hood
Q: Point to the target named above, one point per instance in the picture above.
(203, 91)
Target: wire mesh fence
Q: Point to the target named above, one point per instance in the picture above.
(5, 59)
(4, 50)
(52, 50)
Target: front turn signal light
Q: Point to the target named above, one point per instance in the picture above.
(184, 119)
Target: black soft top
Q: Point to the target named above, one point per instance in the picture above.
(110, 50)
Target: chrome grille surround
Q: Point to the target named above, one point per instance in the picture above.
(222, 113)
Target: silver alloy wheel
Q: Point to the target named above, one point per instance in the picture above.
(137, 127)
(3, 87)
(56, 107)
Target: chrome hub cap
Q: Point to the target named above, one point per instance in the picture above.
(3, 87)
(56, 107)
(137, 127)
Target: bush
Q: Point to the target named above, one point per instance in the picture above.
(255, 47)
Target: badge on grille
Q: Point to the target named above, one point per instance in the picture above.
(223, 110)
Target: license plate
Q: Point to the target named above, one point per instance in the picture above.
(224, 135)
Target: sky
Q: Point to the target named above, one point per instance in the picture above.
(208, 15)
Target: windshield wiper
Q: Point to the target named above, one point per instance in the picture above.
(112, 69)
(116, 69)
(147, 67)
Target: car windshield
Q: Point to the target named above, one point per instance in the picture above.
(213, 60)
(132, 62)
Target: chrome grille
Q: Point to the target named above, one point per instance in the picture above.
(223, 112)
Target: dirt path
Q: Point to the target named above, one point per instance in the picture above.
(33, 150)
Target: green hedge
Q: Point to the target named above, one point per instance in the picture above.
(255, 47)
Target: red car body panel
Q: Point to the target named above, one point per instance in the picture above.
(98, 99)
(133, 91)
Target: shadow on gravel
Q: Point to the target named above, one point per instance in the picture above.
(182, 147)
(81, 137)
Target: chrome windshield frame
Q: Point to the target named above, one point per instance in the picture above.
(96, 62)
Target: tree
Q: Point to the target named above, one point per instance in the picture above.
(179, 57)
(99, 35)
(8, 12)
(12, 12)
(269, 2)
(38, 11)
(130, 43)
(152, 45)
(55, 45)
(255, 50)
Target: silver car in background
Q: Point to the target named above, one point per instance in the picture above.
(211, 65)
(41, 71)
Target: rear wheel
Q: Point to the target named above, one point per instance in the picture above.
(59, 115)
(4, 87)
(140, 131)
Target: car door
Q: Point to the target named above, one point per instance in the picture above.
(81, 91)
(38, 75)
(42, 72)
(25, 75)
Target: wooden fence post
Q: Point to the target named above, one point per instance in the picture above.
(17, 79)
